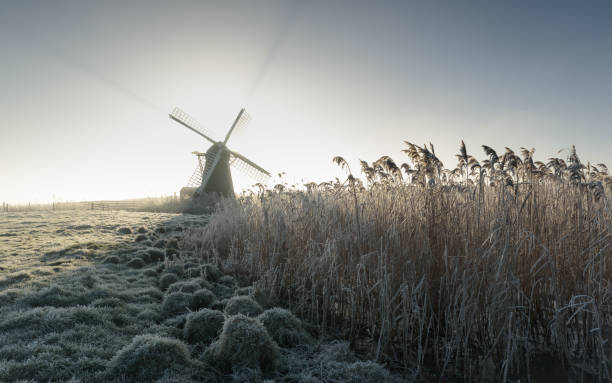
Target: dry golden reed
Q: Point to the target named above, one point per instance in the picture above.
(480, 268)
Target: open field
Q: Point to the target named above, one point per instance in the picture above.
(90, 296)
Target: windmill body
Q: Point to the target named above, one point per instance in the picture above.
(220, 180)
(214, 174)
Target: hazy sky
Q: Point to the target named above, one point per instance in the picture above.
(86, 86)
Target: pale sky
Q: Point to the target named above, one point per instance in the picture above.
(86, 86)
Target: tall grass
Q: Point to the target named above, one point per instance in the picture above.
(480, 268)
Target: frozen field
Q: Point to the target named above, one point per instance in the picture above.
(89, 296)
(37, 246)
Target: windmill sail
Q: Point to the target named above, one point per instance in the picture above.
(248, 167)
(189, 122)
(241, 120)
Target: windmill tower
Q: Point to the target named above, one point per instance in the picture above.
(214, 165)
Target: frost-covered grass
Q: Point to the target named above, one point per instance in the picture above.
(484, 270)
(164, 321)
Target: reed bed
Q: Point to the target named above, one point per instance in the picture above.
(472, 273)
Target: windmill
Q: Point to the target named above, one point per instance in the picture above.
(214, 171)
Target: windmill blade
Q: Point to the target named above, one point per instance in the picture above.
(196, 178)
(248, 167)
(189, 122)
(208, 171)
(242, 119)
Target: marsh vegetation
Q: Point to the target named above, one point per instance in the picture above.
(499, 269)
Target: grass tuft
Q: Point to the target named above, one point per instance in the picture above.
(202, 298)
(243, 305)
(149, 357)
(284, 327)
(243, 343)
(203, 326)
(211, 272)
(175, 304)
(166, 280)
(112, 259)
(136, 263)
(184, 287)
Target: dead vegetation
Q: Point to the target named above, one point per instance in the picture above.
(464, 272)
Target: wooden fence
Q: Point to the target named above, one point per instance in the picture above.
(160, 204)
(115, 205)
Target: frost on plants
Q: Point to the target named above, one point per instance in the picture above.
(203, 326)
(243, 305)
(243, 343)
(284, 327)
(175, 304)
(148, 357)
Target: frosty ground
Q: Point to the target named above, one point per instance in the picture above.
(90, 296)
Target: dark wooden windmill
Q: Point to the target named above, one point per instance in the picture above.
(216, 176)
